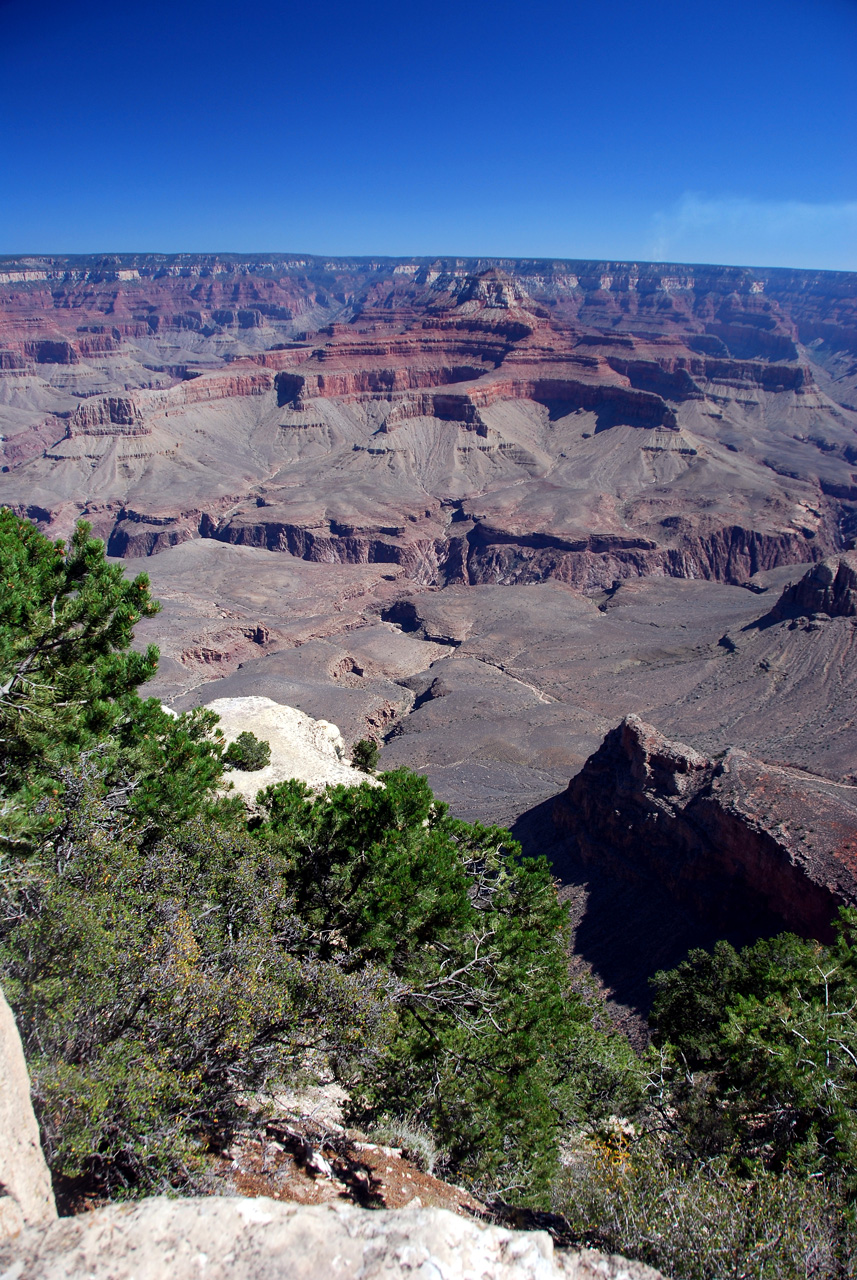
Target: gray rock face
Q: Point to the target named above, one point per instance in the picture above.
(829, 587)
(239, 1239)
(26, 1196)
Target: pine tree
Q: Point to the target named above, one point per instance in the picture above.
(68, 681)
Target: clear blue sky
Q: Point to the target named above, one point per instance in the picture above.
(673, 129)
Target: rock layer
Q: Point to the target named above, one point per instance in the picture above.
(467, 421)
(26, 1196)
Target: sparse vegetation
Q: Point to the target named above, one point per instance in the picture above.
(413, 1139)
(742, 1160)
(696, 1219)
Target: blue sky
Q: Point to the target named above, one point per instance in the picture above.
(680, 130)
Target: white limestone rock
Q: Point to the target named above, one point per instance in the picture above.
(231, 1238)
(26, 1196)
(311, 750)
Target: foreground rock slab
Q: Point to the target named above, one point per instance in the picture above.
(237, 1239)
(25, 1184)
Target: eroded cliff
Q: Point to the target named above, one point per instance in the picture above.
(468, 421)
(749, 847)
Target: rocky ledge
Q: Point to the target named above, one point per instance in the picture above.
(313, 751)
(238, 1239)
(750, 847)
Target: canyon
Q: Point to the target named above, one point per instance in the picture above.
(485, 510)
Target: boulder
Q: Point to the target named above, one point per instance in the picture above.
(262, 1239)
(26, 1196)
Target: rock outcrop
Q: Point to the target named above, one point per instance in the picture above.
(311, 750)
(749, 847)
(829, 587)
(26, 1197)
(114, 415)
(262, 1239)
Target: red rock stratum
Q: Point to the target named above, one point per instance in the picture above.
(467, 421)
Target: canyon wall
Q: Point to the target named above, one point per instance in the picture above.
(469, 421)
(749, 847)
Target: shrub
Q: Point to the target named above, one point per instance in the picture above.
(415, 1141)
(247, 752)
(699, 1220)
(364, 755)
(490, 1050)
(767, 1040)
(155, 986)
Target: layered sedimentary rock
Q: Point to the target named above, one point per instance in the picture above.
(748, 846)
(829, 588)
(483, 509)
(467, 421)
(114, 415)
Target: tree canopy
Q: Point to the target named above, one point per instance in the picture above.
(69, 681)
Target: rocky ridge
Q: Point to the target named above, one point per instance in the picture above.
(748, 847)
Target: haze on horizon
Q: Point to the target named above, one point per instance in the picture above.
(555, 130)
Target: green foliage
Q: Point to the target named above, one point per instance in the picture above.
(743, 1160)
(491, 1049)
(372, 868)
(768, 1042)
(247, 752)
(155, 985)
(165, 768)
(65, 666)
(68, 681)
(364, 755)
